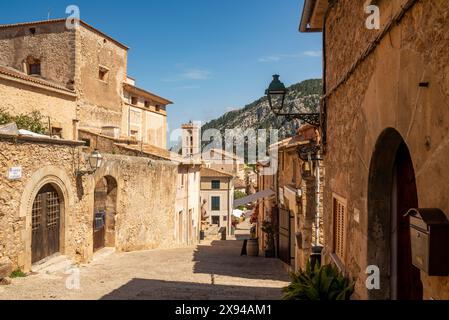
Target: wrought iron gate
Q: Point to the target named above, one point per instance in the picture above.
(46, 214)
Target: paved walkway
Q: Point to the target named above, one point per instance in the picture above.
(210, 271)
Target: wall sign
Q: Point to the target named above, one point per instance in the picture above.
(15, 173)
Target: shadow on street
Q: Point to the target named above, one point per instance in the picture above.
(223, 258)
(143, 289)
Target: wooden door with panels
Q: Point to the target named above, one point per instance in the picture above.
(46, 224)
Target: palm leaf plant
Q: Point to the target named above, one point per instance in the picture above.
(323, 283)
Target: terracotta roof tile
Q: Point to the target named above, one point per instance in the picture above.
(212, 173)
(40, 81)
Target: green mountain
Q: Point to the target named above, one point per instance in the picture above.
(302, 97)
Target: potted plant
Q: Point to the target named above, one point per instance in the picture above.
(324, 283)
(268, 229)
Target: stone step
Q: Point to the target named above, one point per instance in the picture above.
(5, 270)
(53, 264)
(103, 253)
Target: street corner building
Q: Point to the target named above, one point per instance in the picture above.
(290, 199)
(385, 130)
(53, 201)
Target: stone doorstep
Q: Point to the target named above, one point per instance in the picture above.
(103, 253)
(5, 270)
(53, 264)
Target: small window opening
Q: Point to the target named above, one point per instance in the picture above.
(56, 132)
(32, 66)
(103, 74)
(87, 142)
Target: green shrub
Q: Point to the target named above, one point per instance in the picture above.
(18, 274)
(31, 121)
(5, 117)
(324, 283)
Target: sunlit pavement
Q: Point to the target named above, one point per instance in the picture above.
(212, 270)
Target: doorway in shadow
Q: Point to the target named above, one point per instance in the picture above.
(391, 193)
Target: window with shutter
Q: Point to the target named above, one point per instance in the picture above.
(339, 212)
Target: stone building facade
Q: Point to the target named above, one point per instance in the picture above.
(222, 160)
(217, 190)
(296, 209)
(188, 213)
(79, 77)
(78, 80)
(140, 195)
(265, 209)
(387, 116)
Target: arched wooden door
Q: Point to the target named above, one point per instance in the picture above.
(406, 279)
(46, 217)
(392, 191)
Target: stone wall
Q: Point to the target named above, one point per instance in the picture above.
(146, 193)
(382, 93)
(100, 102)
(146, 201)
(41, 163)
(51, 43)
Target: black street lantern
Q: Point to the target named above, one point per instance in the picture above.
(276, 94)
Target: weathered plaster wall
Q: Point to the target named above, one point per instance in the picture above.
(384, 92)
(18, 98)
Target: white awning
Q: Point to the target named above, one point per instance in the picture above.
(253, 198)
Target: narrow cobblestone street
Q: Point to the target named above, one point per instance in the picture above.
(212, 270)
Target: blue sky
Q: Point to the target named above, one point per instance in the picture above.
(208, 56)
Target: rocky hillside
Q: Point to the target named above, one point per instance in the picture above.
(303, 97)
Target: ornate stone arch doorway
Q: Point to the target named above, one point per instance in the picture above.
(46, 222)
(52, 187)
(105, 210)
(391, 193)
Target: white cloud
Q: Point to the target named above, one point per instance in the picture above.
(279, 57)
(270, 59)
(195, 74)
(311, 53)
(187, 87)
(190, 74)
